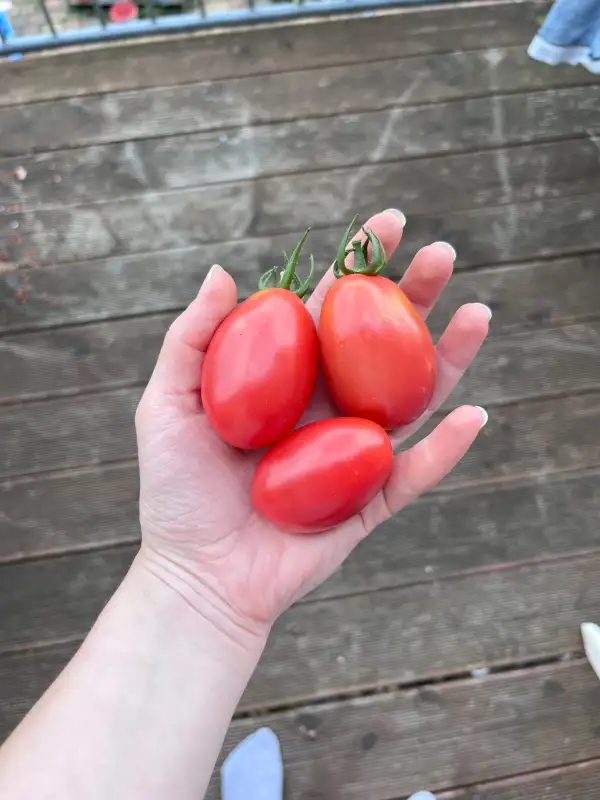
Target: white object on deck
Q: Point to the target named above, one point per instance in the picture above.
(590, 633)
(254, 770)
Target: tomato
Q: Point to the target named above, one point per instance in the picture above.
(260, 368)
(322, 474)
(377, 354)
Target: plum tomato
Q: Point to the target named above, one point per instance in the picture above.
(377, 354)
(260, 367)
(322, 474)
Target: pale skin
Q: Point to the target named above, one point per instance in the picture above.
(143, 708)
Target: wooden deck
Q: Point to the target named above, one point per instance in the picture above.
(446, 652)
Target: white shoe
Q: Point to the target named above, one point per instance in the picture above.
(254, 770)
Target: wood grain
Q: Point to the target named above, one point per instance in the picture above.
(425, 632)
(140, 282)
(521, 296)
(175, 60)
(68, 432)
(579, 781)
(341, 140)
(91, 429)
(442, 534)
(165, 111)
(327, 648)
(535, 440)
(63, 513)
(454, 735)
(512, 367)
(66, 360)
(186, 218)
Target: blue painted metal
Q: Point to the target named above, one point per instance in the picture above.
(7, 33)
(183, 23)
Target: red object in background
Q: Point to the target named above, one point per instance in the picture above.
(123, 11)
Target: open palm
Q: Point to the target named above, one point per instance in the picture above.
(198, 524)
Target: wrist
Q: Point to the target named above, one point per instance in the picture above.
(183, 598)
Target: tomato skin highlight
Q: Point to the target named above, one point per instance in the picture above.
(377, 354)
(322, 474)
(260, 369)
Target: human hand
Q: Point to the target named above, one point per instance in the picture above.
(200, 533)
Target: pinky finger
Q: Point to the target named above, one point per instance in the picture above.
(424, 465)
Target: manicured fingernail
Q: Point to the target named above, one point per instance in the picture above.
(210, 275)
(398, 214)
(590, 634)
(483, 414)
(487, 309)
(447, 246)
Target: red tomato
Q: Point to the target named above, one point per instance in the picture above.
(260, 369)
(322, 474)
(377, 354)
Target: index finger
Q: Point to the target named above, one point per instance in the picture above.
(388, 226)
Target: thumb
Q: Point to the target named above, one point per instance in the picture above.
(179, 366)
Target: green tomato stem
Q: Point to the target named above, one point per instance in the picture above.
(285, 277)
(363, 265)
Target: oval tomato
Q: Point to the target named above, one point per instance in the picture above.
(322, 474)
(377, 354)
(260, 369)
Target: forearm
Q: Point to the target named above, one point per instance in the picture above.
(143, 708)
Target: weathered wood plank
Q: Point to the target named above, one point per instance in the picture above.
(68, 432)
(447, 533)
(90, 429)
(165, 111)
(454, 735)
(425, 632)
(185, 218)
(176, 162)
(361, 643)
(580, 781)
(527, 295)
(441, 534)
(65, 360)
(122, 353)
(69, 593)
(521, 296)
(174, 60)
(151, 281)
(70, 512)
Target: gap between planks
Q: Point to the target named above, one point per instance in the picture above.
(527, 338)
(473, 270)
(495, 789)
(437, 416)
(466, 489)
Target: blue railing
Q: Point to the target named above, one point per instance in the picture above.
(160, 20)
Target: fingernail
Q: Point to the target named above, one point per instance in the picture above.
(487, 309)
(591, 643)
(422, 796)
(483, 414)
(398, 214)
(447, 246)
(210, 275)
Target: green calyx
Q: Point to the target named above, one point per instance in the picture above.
(285, 277)
(363, 264)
